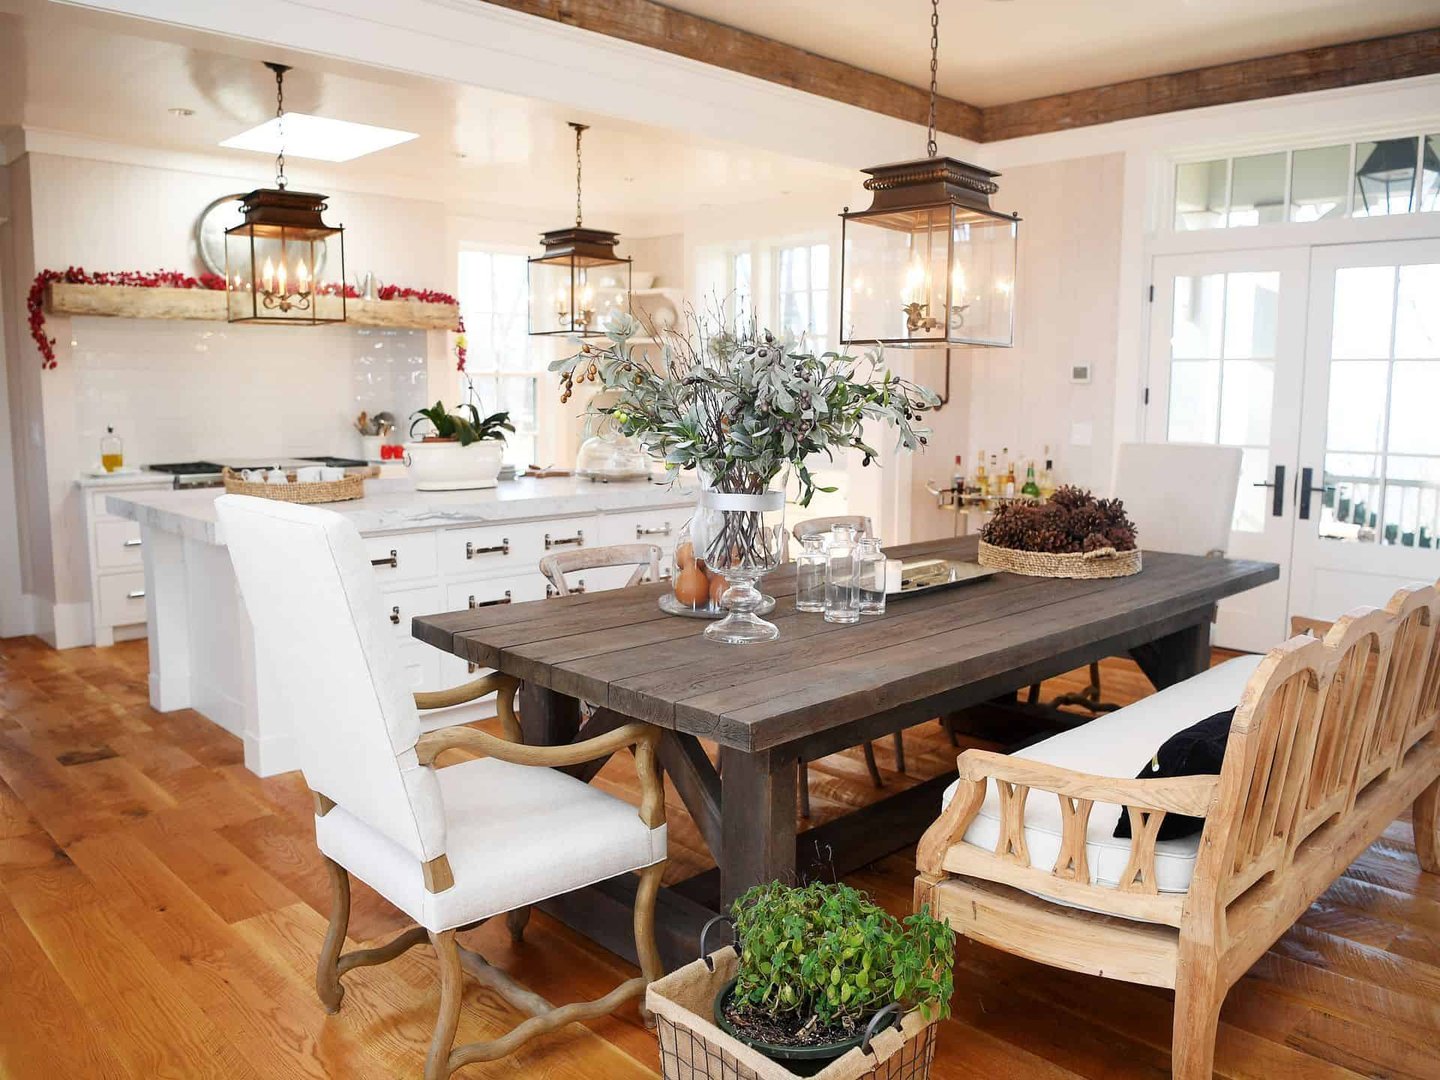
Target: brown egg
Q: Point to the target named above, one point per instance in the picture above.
(692, 588)
(684, 554)
(718, 585)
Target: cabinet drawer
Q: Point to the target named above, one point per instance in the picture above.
(403, 556)
(117, 544)
(402, 605)
(645, 527)
(421, 666)
(512, 547)
(122, 599)
(489, 592)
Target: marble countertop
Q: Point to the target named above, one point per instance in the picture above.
(137, 478)
(395, 506)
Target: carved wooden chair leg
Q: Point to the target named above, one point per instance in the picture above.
(802, 787)
(516, 921)
(1426, 817)
(327, 972)
(899, 751)
(875, 777)
(645, 948)
(437, 1063)
(1198, 997)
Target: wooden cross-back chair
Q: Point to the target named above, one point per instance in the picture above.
(450, 847)
(1332, 740)
(644, 557)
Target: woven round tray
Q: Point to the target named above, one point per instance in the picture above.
(1107, 562)
(324, 491)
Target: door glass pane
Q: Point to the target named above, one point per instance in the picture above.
(1417, 313)
(1357, 406)
(1319, 182)
(1385, 177)
(1194, 400)
(1364, 300)
(1414, 396)
(1430, 175)
(1252, 302)
(1348, 512)
(1199, 305)
(1247, 396)
(1200, 195)
(1257, 190)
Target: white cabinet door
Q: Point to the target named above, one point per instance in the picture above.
(1368, 519)
(1227, 357)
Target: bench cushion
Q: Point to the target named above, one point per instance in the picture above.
(1117, 744)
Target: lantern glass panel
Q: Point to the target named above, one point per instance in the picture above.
(285, 274)
(572, 294)
(982, 277)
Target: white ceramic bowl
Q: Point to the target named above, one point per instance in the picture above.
(448, 466)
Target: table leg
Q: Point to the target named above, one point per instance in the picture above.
(547, 717)
(757, 811)
(1175, 657)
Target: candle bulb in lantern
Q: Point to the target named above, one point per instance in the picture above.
(917, 283)
(267, 276)
(302, 278)
(280, 278)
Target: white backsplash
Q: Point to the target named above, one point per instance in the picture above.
(177, 391)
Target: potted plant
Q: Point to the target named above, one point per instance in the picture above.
(743, 409)
(825, 982)
(459, 451)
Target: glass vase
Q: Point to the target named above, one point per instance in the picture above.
(810, 567)
(741, 536)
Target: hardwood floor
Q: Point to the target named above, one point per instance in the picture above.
(161, 910)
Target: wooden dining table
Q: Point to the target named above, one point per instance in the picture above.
(819, 688)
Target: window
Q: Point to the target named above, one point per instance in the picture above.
(742, 293)
(1370, 178)
(803, 300)
(503, 373)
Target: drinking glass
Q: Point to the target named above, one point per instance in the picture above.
(870, 563)
(842, 596)
(810, 574)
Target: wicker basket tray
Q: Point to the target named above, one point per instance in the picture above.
(693, 1048)
(324, 491)
(1105, 563)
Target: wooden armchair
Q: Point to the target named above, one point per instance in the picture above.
(1332, 740)
(450, 847)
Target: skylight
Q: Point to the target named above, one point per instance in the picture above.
(318, 138)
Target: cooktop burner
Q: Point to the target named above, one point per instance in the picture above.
(338, 462)
(186, 468)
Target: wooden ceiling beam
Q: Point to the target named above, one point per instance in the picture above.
(652, 24)
(1399, 56)
(656, 26)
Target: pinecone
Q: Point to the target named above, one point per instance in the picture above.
(1072, 521)
(1095, 541)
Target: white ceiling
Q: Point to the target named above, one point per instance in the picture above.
(999, 51)
(479, 151)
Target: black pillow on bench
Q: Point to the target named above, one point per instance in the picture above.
(1197, 751)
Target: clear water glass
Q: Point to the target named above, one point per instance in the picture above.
(810, 574)
(842, 596)
(870, 564)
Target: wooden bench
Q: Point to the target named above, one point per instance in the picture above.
(1332, 740)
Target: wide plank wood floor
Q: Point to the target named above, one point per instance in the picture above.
(161, 910)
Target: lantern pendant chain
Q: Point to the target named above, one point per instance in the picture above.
(930, 144)
(280, 70)
(579, 130)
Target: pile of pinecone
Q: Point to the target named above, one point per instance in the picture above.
(1073, 521)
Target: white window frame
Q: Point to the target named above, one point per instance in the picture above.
(808, 245)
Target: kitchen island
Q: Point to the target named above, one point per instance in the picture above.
(432, 551)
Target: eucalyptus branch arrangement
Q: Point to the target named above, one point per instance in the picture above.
(744, 406)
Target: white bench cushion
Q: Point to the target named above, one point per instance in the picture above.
(1116, 744)
(514, 835)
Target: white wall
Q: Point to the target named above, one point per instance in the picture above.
(14, 610)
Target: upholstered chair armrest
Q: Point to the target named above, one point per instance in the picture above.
(504, 687)
(642, 737)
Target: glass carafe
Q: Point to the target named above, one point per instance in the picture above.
(112, 451)
(870, 576)
(810, 574)
(842, 597)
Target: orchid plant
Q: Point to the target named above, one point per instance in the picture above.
(743, 407)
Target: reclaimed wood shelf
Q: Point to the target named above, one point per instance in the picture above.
(129, 302)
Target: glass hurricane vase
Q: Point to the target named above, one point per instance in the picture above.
(742, 537)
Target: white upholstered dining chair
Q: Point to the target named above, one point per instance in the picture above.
(449, 847)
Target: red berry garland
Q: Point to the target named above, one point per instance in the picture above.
(173, 279)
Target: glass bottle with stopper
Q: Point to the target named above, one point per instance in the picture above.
(112, 451)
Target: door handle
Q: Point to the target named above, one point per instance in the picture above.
(393, 561)
(1277, 504)
(1308, 488)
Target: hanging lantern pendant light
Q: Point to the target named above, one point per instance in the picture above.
(275, 260)
(929, 263)
(563, 297)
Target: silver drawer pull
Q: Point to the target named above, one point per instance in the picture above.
(489, 603)
(578, 540)
(551, 591)
(392, 561)
(135, 594)
(663, 530)
(133, 543)
(502, 548)
(579, 587)
(395, 614)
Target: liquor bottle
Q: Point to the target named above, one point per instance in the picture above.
(1047, 476)
(982, 483)
(1031, 490)
(1010, 485)
(957, 479)
(112, 451)
(997, 481)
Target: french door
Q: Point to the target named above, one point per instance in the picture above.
(1227, 362)
(1368, 513)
